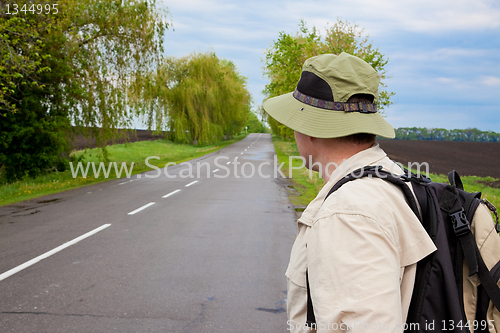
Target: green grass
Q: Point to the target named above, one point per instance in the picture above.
(304, 184)
(305, 188)
(135, 152)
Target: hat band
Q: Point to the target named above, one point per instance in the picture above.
(336, 106)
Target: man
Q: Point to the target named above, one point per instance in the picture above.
(359, 247)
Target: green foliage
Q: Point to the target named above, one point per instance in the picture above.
(254, 125)
(21, 53)
(441, 134)
(284, 60)
(199, 98)
(32, 139)
(33, 127)
(73, 67)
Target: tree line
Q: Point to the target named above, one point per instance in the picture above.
(441, 134)
(95, 66)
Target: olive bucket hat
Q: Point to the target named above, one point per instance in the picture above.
(318, 107)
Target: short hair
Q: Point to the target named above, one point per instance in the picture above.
(360, 138)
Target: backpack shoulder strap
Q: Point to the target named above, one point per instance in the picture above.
(455, 180)
(378, 172)
(487, 281)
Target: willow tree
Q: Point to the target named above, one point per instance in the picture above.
(115, 42)
(284, 60)
(199, 98)
(77, 72)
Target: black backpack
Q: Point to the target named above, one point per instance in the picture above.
(438, 302)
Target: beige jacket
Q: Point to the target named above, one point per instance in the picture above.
(360, 248)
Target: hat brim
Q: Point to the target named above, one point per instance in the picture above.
(323, 123)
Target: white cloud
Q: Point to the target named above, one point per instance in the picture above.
(446, 54)
(378, 16)
(490, 80)
(457, 67)
(430, 16)
(383, 16)
(447, 80)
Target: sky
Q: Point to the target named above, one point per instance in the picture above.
(444, 55)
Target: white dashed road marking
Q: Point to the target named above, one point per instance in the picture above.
(51, 252)
(171, 193)
(141, 208)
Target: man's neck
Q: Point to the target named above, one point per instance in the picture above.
(334, 156)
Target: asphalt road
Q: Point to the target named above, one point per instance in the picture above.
(153, 254)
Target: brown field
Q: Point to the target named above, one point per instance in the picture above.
(467, 158)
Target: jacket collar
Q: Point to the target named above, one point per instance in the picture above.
(371, 156)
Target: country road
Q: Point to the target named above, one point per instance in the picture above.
(153, 253)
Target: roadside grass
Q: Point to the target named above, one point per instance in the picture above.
(303, 184)
(303, 188)
(128, 153)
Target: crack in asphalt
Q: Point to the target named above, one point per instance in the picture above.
(36, 211)
(200, 317)
(30, 206)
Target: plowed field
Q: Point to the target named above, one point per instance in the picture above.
(467, 158)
